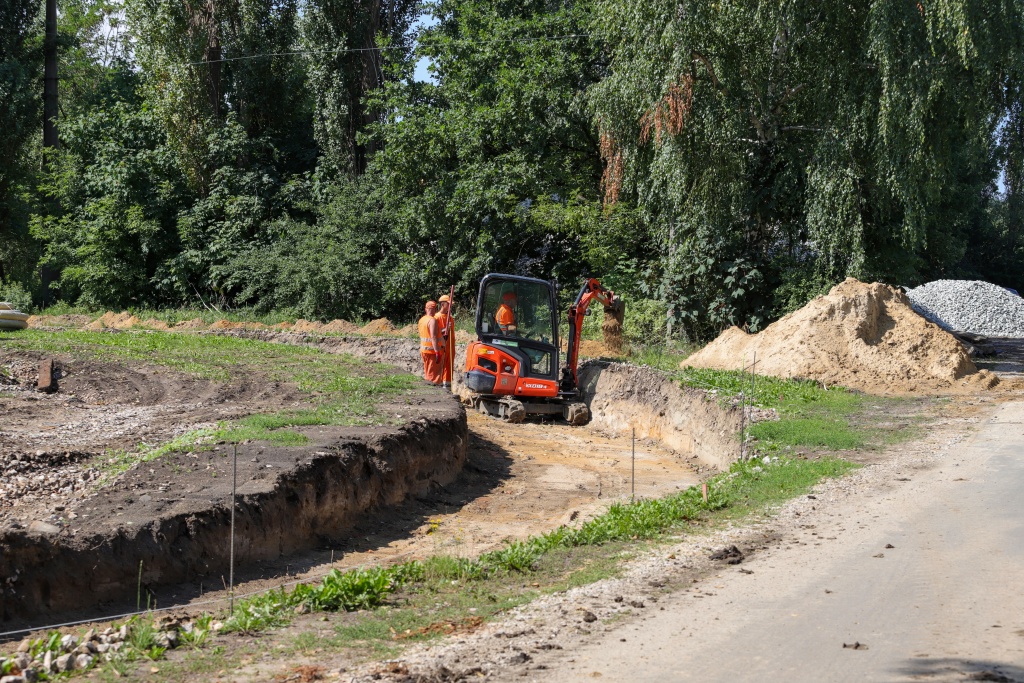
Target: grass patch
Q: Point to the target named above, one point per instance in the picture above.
(811, 416)
(809, 432)
(340, 389)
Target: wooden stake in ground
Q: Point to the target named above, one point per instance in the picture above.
(46, 384)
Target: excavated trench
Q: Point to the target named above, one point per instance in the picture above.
(438, 483)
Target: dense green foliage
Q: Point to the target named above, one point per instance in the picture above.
(794, 143)
(725, 160)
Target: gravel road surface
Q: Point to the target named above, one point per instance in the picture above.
(917, 582)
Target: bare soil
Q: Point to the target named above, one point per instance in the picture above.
(99, 407)
(57, 513)
(557, 637)
(861, 336)
(518, 479)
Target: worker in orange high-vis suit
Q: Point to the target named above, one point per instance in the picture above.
(505, 315)
(447, 340)
(431, 345)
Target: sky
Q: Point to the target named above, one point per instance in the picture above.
(421, 73)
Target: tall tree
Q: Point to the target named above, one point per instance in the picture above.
(350, 44)
(19, 121)
(495, 165)
(823, 138)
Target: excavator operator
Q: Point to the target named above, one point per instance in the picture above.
(505, 315)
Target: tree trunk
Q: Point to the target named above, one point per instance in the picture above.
(50, 103)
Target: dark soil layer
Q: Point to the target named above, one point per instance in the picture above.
(172, 514)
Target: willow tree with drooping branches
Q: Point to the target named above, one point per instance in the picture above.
(780, 146)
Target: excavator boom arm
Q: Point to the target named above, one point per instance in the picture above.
(592, 290)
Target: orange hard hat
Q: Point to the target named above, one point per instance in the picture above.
(444, 299)
(508, 296)
(431, 304)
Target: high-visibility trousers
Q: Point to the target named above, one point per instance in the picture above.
(431, 367)
(447, 362)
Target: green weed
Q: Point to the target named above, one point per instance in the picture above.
(349, 591)
(448, 568)
(259, 612)
(516, 556)
(811, 432)
(199, 634)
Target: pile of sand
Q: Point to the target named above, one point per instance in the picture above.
(71, 320)
(114, 321)
(378, 326)
(303, 325)
(194, 324)
(861, 336)
(340, 327)
(154, 324)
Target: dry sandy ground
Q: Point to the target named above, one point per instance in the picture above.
(519, 480)
(943, 604)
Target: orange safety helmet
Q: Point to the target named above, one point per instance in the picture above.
(430, 304)
(508, 297)
(444, 299)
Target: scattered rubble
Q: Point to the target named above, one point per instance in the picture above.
(39, 658)
(970, 306)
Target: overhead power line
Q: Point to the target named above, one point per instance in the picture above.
(377, 49)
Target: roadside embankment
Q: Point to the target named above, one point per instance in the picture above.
(623, 397)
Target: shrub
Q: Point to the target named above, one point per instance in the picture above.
(16, 295)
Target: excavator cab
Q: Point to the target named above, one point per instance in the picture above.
(513, 367)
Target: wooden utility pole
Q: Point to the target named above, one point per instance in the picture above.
(50, 78)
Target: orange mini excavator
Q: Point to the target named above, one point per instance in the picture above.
(513, 366)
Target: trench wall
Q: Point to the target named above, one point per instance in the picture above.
(622, 397)
(312, 503)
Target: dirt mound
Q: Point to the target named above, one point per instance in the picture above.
(302, 325)
(378, 326)
(611, 326)
(282, 326)
(194, 324)
(39, 321)
(413, 331)
(340, 327)
(154, 324)
(114, 321)
(226, 325)
(862, 336)
(596, 349)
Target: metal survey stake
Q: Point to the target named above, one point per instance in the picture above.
(231, 556)
(632, 486)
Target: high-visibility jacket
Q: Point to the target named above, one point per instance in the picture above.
(430, 340)
(505, 317)
(442, 325)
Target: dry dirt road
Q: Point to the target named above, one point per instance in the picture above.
(927, 577)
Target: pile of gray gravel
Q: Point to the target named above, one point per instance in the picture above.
(970, 306)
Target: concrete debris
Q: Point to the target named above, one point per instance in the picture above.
(73, 653)
(970, 306)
